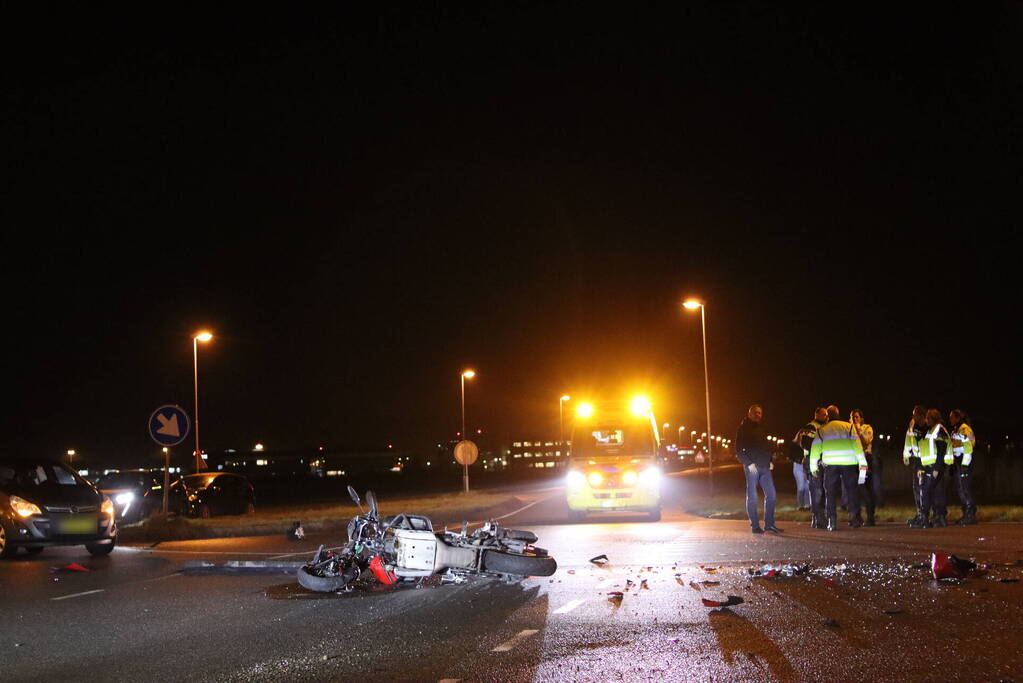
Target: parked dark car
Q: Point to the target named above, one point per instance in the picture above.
(216, 493)
(45, 503)
(138, 494)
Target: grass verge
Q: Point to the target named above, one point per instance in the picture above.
(441, 508)
(733, 507)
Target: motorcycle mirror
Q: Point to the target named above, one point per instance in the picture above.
(371, 500)
(355, 496)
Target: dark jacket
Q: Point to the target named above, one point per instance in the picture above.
(799, 447)
(751, 445)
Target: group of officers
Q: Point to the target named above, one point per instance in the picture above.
(839, 462)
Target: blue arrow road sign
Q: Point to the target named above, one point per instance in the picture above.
(168, 425)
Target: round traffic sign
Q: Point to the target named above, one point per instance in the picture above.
(168, 425)
(466, 452)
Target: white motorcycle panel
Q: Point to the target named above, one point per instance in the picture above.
(415, 549)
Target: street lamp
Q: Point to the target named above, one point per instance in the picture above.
(680, 428)
(467, 374)
(692, 305)
(203, 337)
(664, 431)
(71, 456)
(561, 420)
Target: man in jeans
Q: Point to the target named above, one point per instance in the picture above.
(752, 449)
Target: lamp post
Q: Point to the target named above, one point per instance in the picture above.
(693, 304)
(198, 337)
(561, 420)
(466, 374)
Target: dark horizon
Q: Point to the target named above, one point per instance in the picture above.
(360, 208)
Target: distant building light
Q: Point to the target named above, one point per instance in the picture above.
(260, 462)
(205, 456)
(258, 447)
(517, 444)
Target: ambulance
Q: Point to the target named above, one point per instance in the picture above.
(613, 463)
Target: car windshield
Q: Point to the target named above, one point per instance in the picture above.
(198, 481)
(613, 439)
(28, 474)
(124, 480)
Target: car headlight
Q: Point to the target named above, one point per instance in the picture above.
(629, 478)
(24, 508)
(595, 478)
(124, 498)
(107, 508)
(651, 476)
(575, 479)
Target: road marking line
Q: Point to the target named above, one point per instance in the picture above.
(78, 595)
(161, 578)
(565, 609)
(524, 507)
(514, 640)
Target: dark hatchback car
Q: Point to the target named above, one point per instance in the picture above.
(138, 494)
(45, 503)
(215, 493)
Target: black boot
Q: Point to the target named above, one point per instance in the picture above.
(970, 517)
(832, 524)
(870, 519)
(856, 521)
(920, 522)
(940, 521)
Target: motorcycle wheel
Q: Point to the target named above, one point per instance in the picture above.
(320, 584)
(523, 565)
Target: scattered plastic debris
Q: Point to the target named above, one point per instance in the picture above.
(950, 567)
(695, 586)
(599, 560)
(296, 532)
(615, 598)
(788, 571)
(73, 567)
(643, 586)
(709, 570)
(629, 583)
(571, 571)
(710, 583)
(728, 602)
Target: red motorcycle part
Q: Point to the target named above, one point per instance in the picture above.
(376, 565)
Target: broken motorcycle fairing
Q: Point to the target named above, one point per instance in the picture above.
(406, 548)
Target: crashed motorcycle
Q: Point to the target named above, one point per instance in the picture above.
(405, 548)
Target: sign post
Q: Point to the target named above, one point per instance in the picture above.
(168, 426)
(466, 453)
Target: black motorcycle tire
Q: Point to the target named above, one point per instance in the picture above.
(523, 565)
(320, 584)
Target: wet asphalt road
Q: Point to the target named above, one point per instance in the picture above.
(867, 610)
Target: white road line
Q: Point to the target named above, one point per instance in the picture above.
(524, 507)
(161, 578)
(514, 640)
(78, 595)
(565, 609)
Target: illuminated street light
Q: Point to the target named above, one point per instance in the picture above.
(70, 455)
(692, 305)
(584, 410)
(258, 447)
(561, 419)
(466, 374)
(201, 336)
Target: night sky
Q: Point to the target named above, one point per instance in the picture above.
(360, 206)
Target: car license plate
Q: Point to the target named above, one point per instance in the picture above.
(78, 524)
